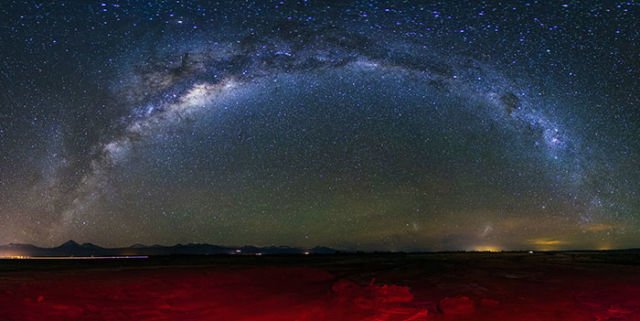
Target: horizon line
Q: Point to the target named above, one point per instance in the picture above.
(496, 250)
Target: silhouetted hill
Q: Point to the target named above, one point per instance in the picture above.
(73, 248)
(137, 246)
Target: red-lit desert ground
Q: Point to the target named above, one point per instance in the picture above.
(457, 286)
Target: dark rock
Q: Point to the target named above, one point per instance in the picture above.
(458, 305)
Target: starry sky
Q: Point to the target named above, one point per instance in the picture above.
(368, 125)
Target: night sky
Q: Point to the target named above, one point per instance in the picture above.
(364, 125)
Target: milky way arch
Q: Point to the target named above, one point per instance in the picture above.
(169, 87)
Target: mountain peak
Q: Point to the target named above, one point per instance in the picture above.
(90, 246)
(70, 243)
(137, 246)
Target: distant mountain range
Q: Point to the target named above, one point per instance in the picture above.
(72, 248)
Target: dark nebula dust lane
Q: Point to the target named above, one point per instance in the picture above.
(363, 125)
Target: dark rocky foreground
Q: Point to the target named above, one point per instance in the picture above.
(566, 286)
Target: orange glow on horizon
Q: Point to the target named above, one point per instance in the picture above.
(547, 244)
(487, 248)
